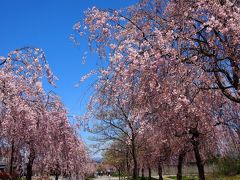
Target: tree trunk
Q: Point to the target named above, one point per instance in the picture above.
(180, 165)
(30, 164)
(160, 171)
(12, 158)
(195, 143)
(149, 174)
(135, 168)
(199, 162)
(56, 177)
(119, 174)
(57, 172)
(142, 173)
(128, 166)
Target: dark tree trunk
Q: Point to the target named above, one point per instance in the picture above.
(12, 158)
(199, 162)
(149, 173)
(160, 172)
(56, 177)
(135, 168)
(57, 172)
(195, 143)
(30, 165)
(119, 174)
(180, 165)
(128, 166)
(142, 173)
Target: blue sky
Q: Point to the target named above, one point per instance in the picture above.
(48, 24)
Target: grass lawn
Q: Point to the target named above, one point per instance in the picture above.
(130, 178)
(190, 177)
(145, 178)
(208, 177)
(237, 177)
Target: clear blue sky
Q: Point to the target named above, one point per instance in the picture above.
(48, 24)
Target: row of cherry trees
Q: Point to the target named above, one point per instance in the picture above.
(169, 84)
(35, 133)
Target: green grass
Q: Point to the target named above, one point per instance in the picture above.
(89, 178)
(190, 177)
(145, 178)
(116, 174)
(208, 177)
(212, 177)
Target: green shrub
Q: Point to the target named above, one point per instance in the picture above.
(228, 166)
